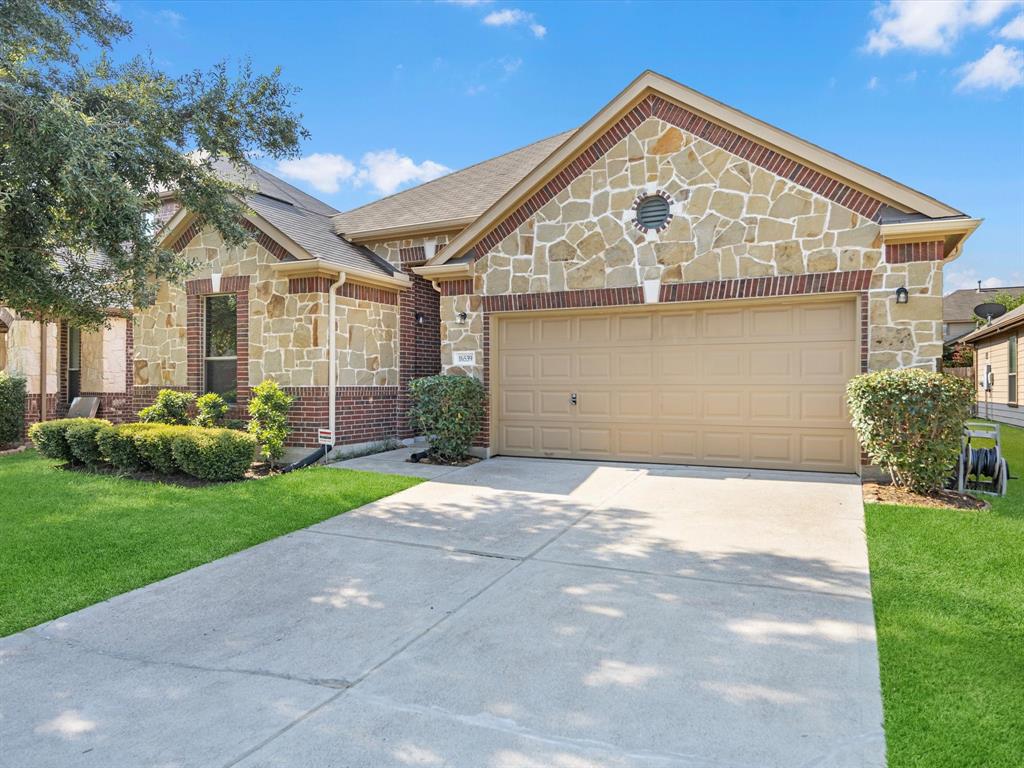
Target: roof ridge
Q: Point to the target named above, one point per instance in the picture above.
(456, 172)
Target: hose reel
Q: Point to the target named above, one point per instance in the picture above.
(981, 468)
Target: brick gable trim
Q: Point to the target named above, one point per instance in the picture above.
(455, 287)
(724, 138)
(903, 253)
(258, 235)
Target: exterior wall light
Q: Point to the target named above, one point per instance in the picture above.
(420, 318)
(902, 296)
(461, 318)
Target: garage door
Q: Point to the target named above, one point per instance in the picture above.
(744, 384)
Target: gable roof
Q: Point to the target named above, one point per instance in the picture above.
(302, 219)
(958, 306)
(1010, 320)
(800, 159)
(451, 202)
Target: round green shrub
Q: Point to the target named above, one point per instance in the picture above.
(12, 408)
(155, 444)
(50, 437)
(448, 410)
(210, 410)
(117, 447)
(214, 454)
(268, 422)
(170, 407)
(81, 438)
(910, 423)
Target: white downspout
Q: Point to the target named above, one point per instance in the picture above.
(332, 354)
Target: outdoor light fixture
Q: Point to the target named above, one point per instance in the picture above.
(461, 318)
(420, 318)
(902, 296)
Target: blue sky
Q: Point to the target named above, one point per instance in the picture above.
(929, 93)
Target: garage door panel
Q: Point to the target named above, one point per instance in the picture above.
(758, 384)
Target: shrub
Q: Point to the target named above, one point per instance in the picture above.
(214, 454)
(50, 437)
(81, 438)
(210, 410)
(170, 407)
(448, 410)
(117, 447)
(12, 408)
(155, 444)
(268, 423)
(910, 422)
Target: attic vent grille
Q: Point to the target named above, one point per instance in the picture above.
(652, 212)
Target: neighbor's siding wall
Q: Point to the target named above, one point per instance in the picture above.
(994, 404)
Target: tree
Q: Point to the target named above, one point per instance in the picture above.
(85, 150)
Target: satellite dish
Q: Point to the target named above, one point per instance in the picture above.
(990, 310)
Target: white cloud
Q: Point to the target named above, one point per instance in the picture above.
(873, 83)
(1001, 68)
(386, 170)
(511, 17)
(173, 19)
(957, 280)
(1014, 30)
(473, 90)
(930, 25)
(324, 172)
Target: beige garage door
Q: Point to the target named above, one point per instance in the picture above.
(743, 384)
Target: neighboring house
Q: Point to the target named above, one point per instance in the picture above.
(675, 281)
(996, 367)
(958, 317)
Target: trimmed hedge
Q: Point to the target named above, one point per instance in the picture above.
(155, 444)
(117, 447)
(910, 423)
(214, 454)
(50, 437)
(12, 408)
(82, 440)
(268, 422)
(448, 410)
(170, 407)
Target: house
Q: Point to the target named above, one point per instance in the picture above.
(996, 367)
(674, 281)
(958, 317)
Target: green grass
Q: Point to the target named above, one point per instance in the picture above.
(70, 539)
(949, 604)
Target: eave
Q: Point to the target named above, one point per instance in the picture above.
(954, 231)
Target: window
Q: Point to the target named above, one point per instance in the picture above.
(74, 363)
(1011, 379)
(652, 212)
(221, 358)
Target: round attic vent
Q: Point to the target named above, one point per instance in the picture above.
(652, 212)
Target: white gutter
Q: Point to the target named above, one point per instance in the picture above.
(332, 355)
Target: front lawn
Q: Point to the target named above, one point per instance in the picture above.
(949, 604)
(70, 539)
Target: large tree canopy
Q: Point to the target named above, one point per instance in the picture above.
(85, 149)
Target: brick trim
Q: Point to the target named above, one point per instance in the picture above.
(597, 297)
(261, 237)
(902, 253)
(367, 293)
(318, 284)
(409, 255)
(756, 287)
(732, 142)
(456, 287)
(186, 237)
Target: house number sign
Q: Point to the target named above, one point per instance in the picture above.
(465, 358)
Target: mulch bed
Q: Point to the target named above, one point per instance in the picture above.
(876, 493)
(256, 472)
(431, 460)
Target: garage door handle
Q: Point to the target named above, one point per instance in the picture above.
(572, 399)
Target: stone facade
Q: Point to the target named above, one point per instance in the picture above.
(731, 220)
(287, 332)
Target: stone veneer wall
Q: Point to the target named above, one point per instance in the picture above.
(731, 220)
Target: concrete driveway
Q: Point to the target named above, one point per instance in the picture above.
(513, 614)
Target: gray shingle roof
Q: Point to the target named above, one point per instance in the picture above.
(958, 306)
(1010, 319)
(301, 217)
(459, 195)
